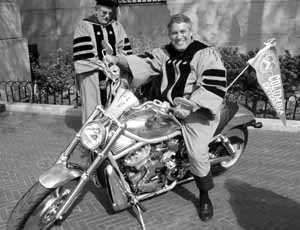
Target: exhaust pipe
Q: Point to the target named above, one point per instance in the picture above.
(218, 160)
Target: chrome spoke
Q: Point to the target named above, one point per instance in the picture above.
(44, 215)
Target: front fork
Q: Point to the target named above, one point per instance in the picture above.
(86, 174)
(64, 156)
(46, 179)
(61, 172)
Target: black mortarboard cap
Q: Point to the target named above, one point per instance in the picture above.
(111, 3)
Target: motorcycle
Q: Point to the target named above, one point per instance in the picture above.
(142, 149)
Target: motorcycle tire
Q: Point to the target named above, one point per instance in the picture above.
(37, 208)
(238, 137)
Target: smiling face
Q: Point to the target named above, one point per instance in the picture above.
(104, 14)
(180, 35)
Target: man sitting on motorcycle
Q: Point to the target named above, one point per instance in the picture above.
(194, 71)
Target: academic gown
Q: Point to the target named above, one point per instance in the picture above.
(87, 53)
(196, 74)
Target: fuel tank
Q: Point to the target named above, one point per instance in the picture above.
(149, 123)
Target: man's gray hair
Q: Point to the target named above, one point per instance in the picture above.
(179, 18)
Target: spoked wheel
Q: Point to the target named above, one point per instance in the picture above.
(238, 138)
(37, 208)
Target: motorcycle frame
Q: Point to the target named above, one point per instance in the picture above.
(50, 178)
(59, 174)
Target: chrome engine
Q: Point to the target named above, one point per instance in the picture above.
(151, 167)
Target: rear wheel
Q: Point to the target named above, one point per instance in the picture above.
(37, 208)
(238, 138)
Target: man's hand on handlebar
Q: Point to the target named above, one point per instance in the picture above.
(181, 112)
(115, 71)
(183, 108)
(110, 60)
(117, 60)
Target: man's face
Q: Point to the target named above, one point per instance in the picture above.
(180, 35)
(104, 14)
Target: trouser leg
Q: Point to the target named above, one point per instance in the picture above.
(204, 183)
(197, 133)
(103, 94)
(103, 88)
(205, 208)
(90, 95)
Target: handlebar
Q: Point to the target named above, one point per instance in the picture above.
(163, 106)
(110, 70)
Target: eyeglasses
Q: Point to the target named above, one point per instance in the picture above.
(104, 12)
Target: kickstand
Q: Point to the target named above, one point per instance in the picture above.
(137, 208)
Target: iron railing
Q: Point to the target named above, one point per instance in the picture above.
(258, 103)
(29, 92)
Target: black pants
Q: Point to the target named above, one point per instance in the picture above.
(204, 183)
(103, 91)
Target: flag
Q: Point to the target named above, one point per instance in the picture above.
(266, 65)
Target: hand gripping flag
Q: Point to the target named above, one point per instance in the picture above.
(266, 65)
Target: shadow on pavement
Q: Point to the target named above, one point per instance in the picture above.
(73, 122)
(101, 196)
(187, 195)
(257, 208)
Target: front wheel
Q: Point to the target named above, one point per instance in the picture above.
(238, 137)
(36, 210)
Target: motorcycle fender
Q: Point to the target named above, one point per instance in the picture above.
(117, 196)
(242, 117)
(58, 175)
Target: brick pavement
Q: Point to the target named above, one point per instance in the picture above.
(261, 192)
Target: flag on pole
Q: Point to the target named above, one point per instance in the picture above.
(266, 65)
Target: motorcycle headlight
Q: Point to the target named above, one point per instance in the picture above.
(93, 135)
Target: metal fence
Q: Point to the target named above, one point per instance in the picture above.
(29, 92)
(258, 103)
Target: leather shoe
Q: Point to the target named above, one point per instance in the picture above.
(206, 210)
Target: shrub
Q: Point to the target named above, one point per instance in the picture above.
(57, 73)
(290, 70)
(235, 62)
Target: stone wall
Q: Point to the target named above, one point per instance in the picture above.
(50, 23)
(14, 62)
(243, 23)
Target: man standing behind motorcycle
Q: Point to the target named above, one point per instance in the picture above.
(194, 71)
(91, 36)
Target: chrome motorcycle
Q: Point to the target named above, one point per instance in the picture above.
(144, 154)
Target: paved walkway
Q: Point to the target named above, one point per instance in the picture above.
(262, 192)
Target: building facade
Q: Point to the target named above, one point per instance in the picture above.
(49, 25)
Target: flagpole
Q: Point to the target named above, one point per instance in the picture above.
(241, 73)
(268, 44)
